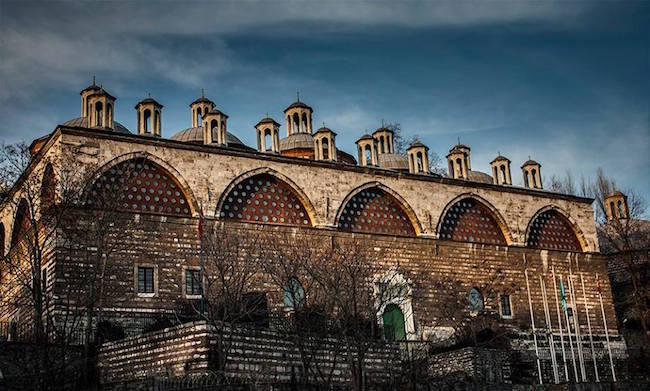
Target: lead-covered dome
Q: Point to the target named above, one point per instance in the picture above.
(195, 136)
(82, 122)
(297, 141)
(393, 161)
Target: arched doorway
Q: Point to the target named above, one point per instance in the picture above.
(393, 323)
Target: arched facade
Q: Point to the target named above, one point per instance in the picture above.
(21, 222)
(262, 196)
(375, 209)
(139, 185)
(469, 219)
(551, 229)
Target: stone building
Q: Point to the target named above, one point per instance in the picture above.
(467, 227)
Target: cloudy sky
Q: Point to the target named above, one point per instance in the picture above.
(565, 82)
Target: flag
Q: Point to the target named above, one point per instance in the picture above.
(600, 291)
(562, 295)
(201, 222)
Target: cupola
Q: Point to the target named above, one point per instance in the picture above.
(149, 117)
(459, 161)
(324, 144)
(298, 116)
(532, 174)
(501, 170)
(384, 140)
(199, 108)
(97, 105)
(418, 158)
(367, 150)
(214, 122)
(616, 206)
(268, 135)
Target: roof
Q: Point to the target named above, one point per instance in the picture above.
(201, 99)
(416, 144)
(148, 100)
(500, 158)
(267, 120)
(89, 88)
(478, 176)
(298, 104)
(82, 122)
(615, 193)
(324, 129)
(365, 137)
(459, 147)
(195, 135)
(393, 161)
(530, 162)
(383, 129)
(297, 141)
(214, 110)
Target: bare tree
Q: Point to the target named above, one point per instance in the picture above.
(401, 144)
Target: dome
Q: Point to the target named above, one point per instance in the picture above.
(297, 141)
(478, 176)
(195, 135)
(530, 162)
(459, 147)
(500, 158)
(393, 161)
(298, 104)
(82, 122)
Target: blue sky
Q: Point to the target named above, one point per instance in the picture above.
(567, 83)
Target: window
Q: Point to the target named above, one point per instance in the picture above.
(192, 282)
(550, 230)
(393, 323)
(294, 294)
(145, 279)
(505, 306)
(475, 300)
(470, 221)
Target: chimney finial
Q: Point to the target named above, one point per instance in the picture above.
(298, 95)
(93, 79)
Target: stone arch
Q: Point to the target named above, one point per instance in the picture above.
(398, 201)
(556, 239)
(171, 172)
(282, 181)
(21, 222)
(48, 189)
(482, 203)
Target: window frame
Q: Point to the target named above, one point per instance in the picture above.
(512, 312)
(136, 268)
(184, 284)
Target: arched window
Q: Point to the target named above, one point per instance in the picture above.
(268, 140)
(48, 189)
(146, 119)
(526, 181)
(368, 153)
(296, 123)
(140, 186)
(199, 115)
(99, 109)
(612, 208)
(470, 221)
(373, 210)
(381, 144)
(533, 173)
(503, 174)
(393, 323)
(22, 222)
(214, 125)
(294, 294)
(304, 122)
(459, 167)
(420, 162)
(621, 212)
(551, 230)
(289, 124)
(475, 300)
(326, 149)
(264, 198)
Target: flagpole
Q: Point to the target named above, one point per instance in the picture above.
(559, 323)
(609, 348)
(532, 321)
(568, 328)
(549, 330)
(591, 337)
(576, 322)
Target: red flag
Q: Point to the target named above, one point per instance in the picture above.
(599, 288)
(201, 222)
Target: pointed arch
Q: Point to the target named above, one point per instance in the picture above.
(22, 222)
(141, 183)
(551, 228)
(470, 218)
(48, 189)
(375, 208)
(265, 196)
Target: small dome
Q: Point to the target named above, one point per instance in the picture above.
(530, 162)
(393, 161)
(267, 120)
(478, 176)
(365, 137)
(195, 135)
(82, 122)
(383, 129)
(148, 99)
(298, 104)
(500, 158)
(459, 147)
(325, 129)
(297, 141)
(416, 144)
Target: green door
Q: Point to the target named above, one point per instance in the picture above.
(393, 319)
